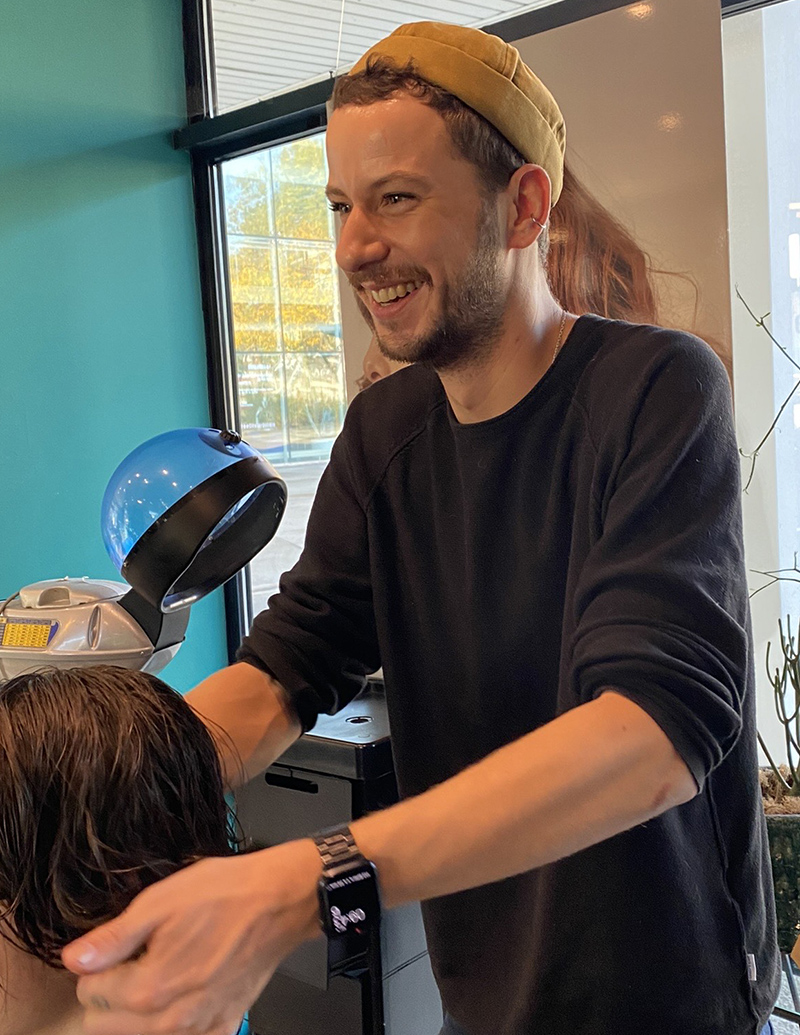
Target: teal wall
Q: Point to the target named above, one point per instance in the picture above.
(101, 336)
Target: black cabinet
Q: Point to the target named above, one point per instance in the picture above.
(338, 772)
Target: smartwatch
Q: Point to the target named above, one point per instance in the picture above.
(349, 905)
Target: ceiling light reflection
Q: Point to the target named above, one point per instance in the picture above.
(640, 11)
(670, 121)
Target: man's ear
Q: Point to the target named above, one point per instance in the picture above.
(529, 191)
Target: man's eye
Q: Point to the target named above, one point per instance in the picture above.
(395, 199)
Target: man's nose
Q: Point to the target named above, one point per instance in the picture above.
(359, 243)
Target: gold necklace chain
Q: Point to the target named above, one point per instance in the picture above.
(560, 335)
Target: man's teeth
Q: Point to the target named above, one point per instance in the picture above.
(389, 294)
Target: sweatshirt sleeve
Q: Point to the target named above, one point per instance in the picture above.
(317, 636)
(662, 606)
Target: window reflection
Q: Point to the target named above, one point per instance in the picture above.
(309, 298)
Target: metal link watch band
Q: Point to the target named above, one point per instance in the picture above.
(337, 848)
(350, 910)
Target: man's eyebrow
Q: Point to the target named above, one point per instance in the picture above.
(390, 178)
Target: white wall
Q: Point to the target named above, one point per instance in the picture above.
(754, 355)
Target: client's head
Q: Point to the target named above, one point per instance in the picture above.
(108, 782)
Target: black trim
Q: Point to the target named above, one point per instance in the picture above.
(778, 1011)
(238, 601)
(175, 562)
(217, 318)
(220, 360)
(531, 23)
(198, 60)
(272, 121)
(732, 7)
(163, 630)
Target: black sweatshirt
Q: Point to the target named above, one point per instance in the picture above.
(504, 572)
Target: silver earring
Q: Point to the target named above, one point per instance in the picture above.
(535, 220)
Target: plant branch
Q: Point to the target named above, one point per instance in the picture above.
(761, 322)
(754, 455)
(785, 679)
(772, 765)
(779, 575)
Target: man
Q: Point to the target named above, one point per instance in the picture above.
(535, 530)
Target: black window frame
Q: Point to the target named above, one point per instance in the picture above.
(212, 139)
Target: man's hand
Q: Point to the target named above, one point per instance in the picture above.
(213, 935)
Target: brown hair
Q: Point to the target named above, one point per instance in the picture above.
(109, 782)
(593, 264)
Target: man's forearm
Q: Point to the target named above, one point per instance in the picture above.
(593, 772)
(247, 714)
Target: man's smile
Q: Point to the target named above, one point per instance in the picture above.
(391, 300)
(389, 294)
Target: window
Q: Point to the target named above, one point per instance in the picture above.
(264, 47)
(287, 328)
(762, 101)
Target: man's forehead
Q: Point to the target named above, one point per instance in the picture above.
(399, 134)
(397, 122)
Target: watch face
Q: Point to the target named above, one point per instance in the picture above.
(350, 902)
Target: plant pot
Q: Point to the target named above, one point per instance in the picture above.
(784, 850)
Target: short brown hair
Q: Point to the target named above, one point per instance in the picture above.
(109, 782)
(474, 137)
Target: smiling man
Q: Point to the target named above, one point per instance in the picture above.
(430, 280)
(535, 529)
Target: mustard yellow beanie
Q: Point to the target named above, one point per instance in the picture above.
(490, 77)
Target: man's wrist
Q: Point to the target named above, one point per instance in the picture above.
(286, 884)
(349, 904)
(310, 901)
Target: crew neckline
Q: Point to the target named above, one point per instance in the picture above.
(550, 377)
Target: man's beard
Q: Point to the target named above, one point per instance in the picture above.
(472, 309)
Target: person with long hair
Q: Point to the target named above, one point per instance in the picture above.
(594, 264)
(108, 783)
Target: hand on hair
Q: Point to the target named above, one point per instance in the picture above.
(213, 935)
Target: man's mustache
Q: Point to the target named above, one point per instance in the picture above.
(379, 278)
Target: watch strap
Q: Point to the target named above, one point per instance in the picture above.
(338, 849)
(348, 891)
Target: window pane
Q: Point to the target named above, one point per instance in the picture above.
(262, 411)
(762, 112)
(309, 298)
(315, 404)
(299, 176)
(264, 47)
(254, 296)
(248, 196)
(298, 215)
(279, 556)
(286, 328)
